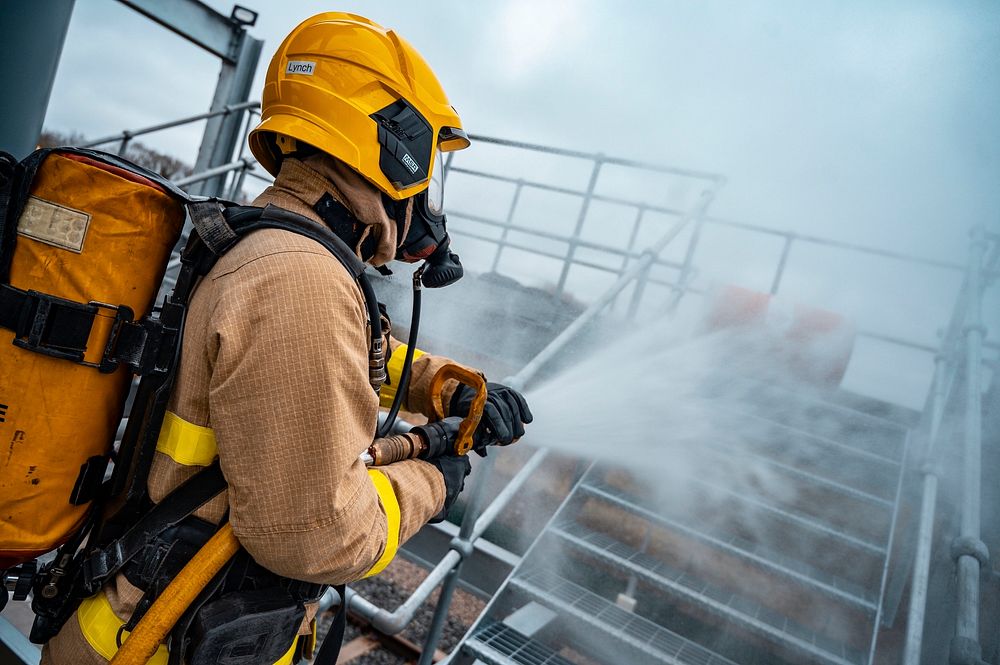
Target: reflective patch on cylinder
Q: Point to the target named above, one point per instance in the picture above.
(54, 224)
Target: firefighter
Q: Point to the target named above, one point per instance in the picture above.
(274, 375)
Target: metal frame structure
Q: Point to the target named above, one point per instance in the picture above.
(958, 366)
(635, 268)
(33, 34)
(227, 38)
(958, 361)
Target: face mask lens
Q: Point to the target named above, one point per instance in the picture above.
(435, 189)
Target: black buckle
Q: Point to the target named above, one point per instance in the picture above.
(35, 326)
(38, 331)
(123, 315)
(99, 566)
(147, 346)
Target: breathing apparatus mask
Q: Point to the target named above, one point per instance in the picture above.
(427, 237)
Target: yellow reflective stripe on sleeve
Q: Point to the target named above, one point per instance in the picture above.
(99, 625)
(394, 368)
(391, 506)
(186, 443)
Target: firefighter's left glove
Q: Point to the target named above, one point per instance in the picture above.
(504, 416)
(453, 469)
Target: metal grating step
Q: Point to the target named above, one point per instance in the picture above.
(499, 644)
(791, 569)
(721, 602)
(641, 635)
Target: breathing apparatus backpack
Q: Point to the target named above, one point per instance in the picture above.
(85, 239)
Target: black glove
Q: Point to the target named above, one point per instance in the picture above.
(454, 469)
(439, 436)
(504, 416)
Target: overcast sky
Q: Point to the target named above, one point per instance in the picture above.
(875, 122)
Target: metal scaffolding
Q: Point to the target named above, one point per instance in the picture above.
(889, 538)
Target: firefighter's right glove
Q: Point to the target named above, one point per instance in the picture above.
(453, 469)
(504, 416)
(440, 437)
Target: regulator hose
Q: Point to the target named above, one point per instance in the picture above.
(411, 345)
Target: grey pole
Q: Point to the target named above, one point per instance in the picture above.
(921, 566)
(968, 549)
(222, 132)
(32, 34)
(451, 581)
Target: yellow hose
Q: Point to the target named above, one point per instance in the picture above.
(142, 643)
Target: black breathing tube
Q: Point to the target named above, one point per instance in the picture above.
(411, 345)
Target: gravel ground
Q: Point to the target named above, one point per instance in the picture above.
(389, 589)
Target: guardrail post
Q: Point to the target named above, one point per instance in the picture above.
(465, 538)
(687, 266)
(446, 169)
(968, 550)
(584, 207)
(779, 272)
(633, 236)
(510, 220)
(640, 286)
(925, 531)
(123, 144)
(32, 34)
(222, 132)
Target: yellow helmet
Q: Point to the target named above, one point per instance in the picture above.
(355, 90)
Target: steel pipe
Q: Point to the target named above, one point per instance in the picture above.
(586, 244)
(244, 163)
(965, 644)
(519, 380)
(595, 173)
(569, 191)
(393, 622)
(829, 242)
(631, 163)
(552, 255)
(132, 133)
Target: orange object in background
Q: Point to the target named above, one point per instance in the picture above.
(810, 343)
(90, 231)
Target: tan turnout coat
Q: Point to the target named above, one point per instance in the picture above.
(275, 362)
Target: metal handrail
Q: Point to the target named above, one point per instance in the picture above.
(473, 524)
(596, 156)
(634, 267)
(586, 244)
(970, 551)
(129, 134)
(519, 380)
(946, 373)
(393, 622)
(244, 163)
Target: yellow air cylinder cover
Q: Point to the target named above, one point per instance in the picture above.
(89, 232)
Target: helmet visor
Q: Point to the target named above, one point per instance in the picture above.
(435, 188)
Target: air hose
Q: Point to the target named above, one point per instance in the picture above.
(411, 345)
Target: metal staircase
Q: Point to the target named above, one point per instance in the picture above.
(631, 579)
